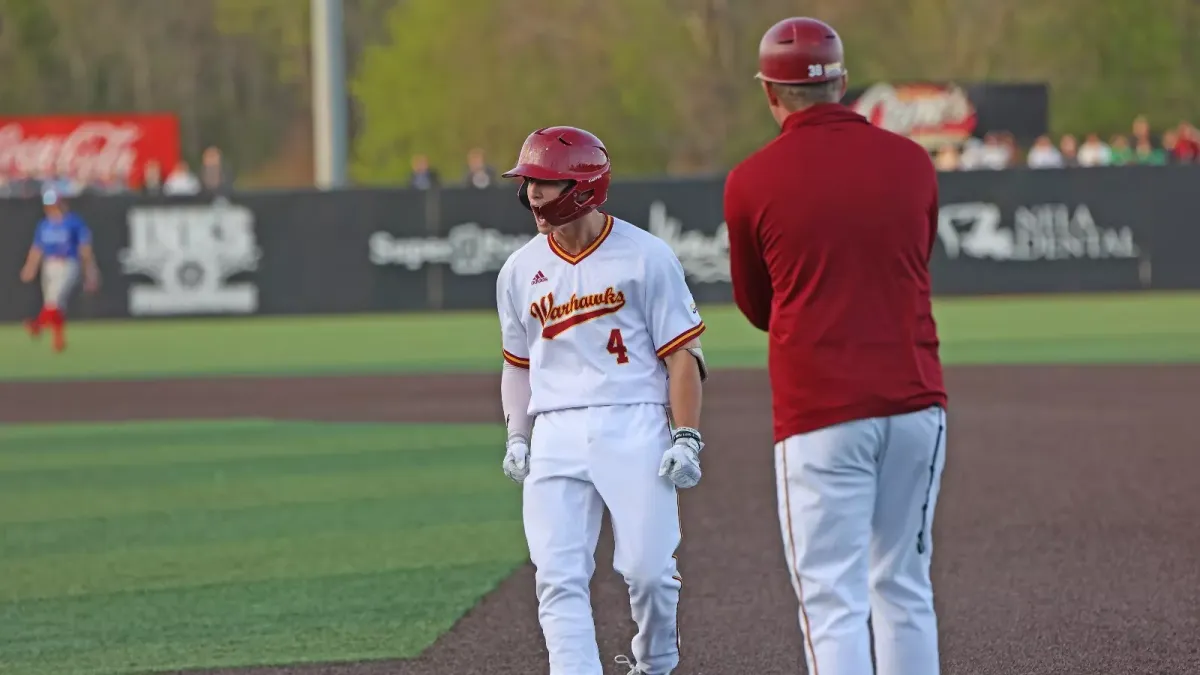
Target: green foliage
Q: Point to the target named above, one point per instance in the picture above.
(280, 26)
(26, 50)
(667, 83)
(457, 76)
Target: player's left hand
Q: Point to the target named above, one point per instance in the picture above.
(681, 463)
(91, 282)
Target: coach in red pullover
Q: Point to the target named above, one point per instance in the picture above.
(831, 226)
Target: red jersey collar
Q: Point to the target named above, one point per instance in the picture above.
(821, 113)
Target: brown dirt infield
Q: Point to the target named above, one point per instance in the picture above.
(1067, 538)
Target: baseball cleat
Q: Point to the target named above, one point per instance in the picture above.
(33, 328)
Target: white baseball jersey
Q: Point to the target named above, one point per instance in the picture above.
(593, 328)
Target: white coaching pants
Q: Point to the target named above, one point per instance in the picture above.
(58, 280)
(856, 507)
(582, 460)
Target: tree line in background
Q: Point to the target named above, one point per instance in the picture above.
(667, 83)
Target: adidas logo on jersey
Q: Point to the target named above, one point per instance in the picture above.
(539, 278)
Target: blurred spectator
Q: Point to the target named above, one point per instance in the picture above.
(107, 182)
(479, 173)
(1141, 132)
(30, 185)
(1094, 152)
(181, 181)
(152, 178)
(1170, 139)
(62, 184)
(946, 158)
(19, 185)
(1068, 147)
(1043, 155)
(214, 173)
(968, 154)
(993, 153)
(424, 177)
(1119, 151)
(1186, 149)
(1012, 151)
(1145, 153)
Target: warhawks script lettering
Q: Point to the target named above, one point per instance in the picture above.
(556, 318)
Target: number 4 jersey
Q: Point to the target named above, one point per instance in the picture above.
(594, 328)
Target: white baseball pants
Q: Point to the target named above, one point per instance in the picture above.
(581, 461)
(856, 508)
(58, 280)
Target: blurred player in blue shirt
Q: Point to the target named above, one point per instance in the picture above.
(62, 244)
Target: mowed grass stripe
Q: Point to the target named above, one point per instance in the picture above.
(47, 435)
(341, 457)
(382, 517)
(244, 492)
(241, 467)
(151, 442)
(1180, 347)
(303, 556)
(378, 614)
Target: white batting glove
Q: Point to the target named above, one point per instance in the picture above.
(516, 459)
(681, 463)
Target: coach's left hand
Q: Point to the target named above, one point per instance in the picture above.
(681, 463)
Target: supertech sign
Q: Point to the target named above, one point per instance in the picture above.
(470, 249)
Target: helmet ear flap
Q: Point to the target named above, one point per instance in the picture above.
(523, 194)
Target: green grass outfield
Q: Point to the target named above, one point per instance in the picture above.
(1135, 328)
(170, 545)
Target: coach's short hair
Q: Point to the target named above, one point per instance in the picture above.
(797, 96)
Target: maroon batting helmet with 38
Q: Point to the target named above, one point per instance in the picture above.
(570, 154)
(800, 50)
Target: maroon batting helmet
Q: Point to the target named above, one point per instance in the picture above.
(564, 153)
(800, 50)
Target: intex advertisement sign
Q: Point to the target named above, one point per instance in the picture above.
(190, 253)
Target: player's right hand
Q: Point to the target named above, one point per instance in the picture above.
(516, 459)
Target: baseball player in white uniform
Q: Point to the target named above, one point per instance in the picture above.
(601, 391)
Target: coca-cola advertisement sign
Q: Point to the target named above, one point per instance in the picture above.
(930, 114)
(88, 146)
